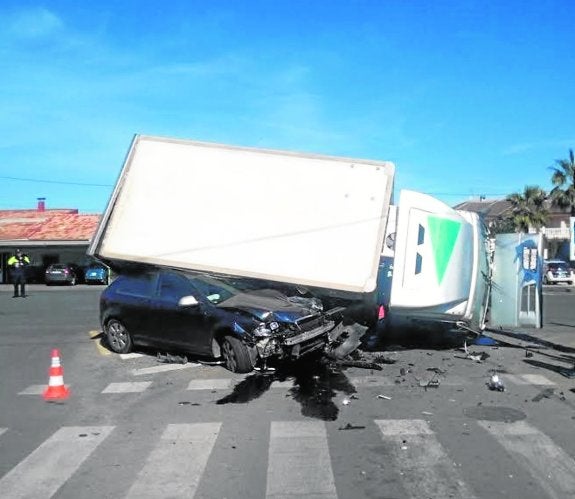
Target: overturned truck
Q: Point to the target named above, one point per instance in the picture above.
(317, 233)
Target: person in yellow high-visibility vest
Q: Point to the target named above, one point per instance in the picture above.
(18, 264)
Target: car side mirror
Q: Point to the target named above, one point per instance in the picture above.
(188, 301)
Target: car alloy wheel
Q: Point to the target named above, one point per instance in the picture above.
(236, 355)
(118, 337)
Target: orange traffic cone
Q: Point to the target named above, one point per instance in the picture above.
(56, 389)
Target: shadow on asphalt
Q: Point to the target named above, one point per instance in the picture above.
(533, 339)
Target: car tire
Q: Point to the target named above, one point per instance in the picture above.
(236, 355)
(118, 337)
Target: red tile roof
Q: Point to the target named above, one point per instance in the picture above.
(49, 225)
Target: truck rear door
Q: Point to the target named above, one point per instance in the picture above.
(516, 297)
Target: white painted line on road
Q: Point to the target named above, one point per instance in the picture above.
(162, 369)
(33, 390)
(550, 465)
(210, 384)
(299, 463)
(527, 379)
(175, 466)
(131, 387)
(125, 356)
(424, 465)
(44, 471)
(289, 383)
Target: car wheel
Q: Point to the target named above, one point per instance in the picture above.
(236, 355)
(118, 337)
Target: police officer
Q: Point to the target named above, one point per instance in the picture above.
(18, 264)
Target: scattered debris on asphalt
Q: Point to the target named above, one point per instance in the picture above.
(474, 356)
(436, 370)
(172, 359)
(425, 413)
(351, 427)
(346, 401)
(496, 384)
(429, 383)
(385, 397)
(360, 363)
(189, 403)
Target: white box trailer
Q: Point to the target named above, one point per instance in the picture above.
(299, 219)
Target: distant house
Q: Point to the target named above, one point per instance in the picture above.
(557, 233)
(46, 236)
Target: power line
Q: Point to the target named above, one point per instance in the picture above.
(60, 182)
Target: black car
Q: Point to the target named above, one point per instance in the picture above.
(207, 316)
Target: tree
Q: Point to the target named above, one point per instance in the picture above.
(529, 208)
(563, 178)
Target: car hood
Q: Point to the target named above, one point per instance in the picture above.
(265, 301)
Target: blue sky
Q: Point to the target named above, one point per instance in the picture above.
(467, 98)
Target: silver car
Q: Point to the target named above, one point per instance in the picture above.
(557, 271)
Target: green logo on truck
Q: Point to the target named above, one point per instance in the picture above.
(443, 234)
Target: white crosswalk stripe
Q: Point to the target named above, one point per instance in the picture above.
(299, 461)
(130, 387)
(175, 466)
(211, 384)
(546, 461)
(44, 471)
(424, 464)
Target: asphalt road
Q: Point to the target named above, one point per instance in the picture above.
(425, 425)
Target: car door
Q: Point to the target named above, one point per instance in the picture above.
(132, 302)
(185, 327)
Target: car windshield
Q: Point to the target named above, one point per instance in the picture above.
(558, 266)
(57, 267)
(214, 290)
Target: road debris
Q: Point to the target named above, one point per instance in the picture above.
(172, 359)
(429, 383)
(360, 363)
(426, 413)
(436, 370)
(385, 397)
(346, 401)
(496, 384)
(351, 427)
(474, 356)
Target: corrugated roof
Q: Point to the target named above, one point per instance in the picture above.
(48, 225)
(488, 208)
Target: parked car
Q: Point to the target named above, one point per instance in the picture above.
(207, 316)
(556, 271)
(62, 273)
(97, 273)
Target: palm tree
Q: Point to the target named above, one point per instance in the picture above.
(528, 209)
(563, 178)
